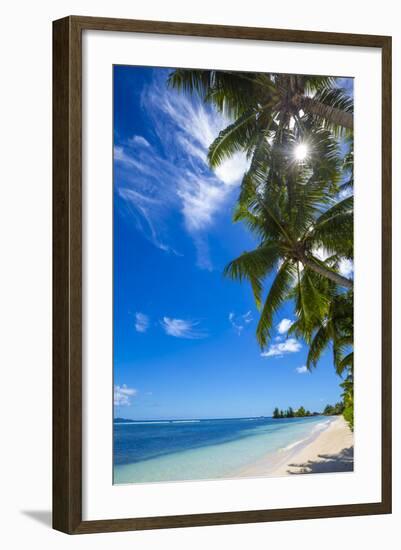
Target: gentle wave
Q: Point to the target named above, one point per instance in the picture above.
(317, 428)
(294, 444)
(320, 426)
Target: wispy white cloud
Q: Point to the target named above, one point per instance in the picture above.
(182, 328)
(203, 259)
(192, 149)
(231, 171)
(122, 395)
(302, 370)
(141, 322)
(291, 345)
(142, 209)
(284, 325)
(201, 198)
(176, 175)
(238, 322)
(247, 317)
(139, 140)
(201, 192)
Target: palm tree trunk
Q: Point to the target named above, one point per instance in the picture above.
(317, 267)
(331, 114)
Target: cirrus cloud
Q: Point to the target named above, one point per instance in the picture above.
(139, 141)
(174, 171)
(182, 328)
(238, 322)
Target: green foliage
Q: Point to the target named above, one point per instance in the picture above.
(290, 413)
(348, 398)
(276, 413)
(238, 136)
(233, 93)
(277, 295)
(333, 410)
(254, 266)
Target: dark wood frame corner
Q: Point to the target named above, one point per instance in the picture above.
(67, 275)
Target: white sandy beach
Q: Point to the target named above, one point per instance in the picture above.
(330, 451)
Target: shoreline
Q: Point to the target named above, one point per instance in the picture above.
(330, 450)
(326, 447)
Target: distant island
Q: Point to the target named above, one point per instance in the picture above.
(329, 410)
(122, 420)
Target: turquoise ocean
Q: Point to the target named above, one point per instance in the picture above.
(178, 450)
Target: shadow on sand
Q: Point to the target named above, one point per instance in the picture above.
(339, 462)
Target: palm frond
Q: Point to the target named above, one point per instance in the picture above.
(235, 137)
(332, 108)
(313, 84)
(277, 294)
(254, 266)
(317, 346)
(336, 235)
(232, 93)
(344, 206)
(314, 307)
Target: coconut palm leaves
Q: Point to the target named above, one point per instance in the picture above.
(289, 205)
(309, 289)
(331, 107)
(334, 229)
(240, 135)
(290, 98)
(290, 209)
(232, 93)
(328, 319)
(278, 293)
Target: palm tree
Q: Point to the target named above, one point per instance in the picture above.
(276, 413)
(348, 399)
(304, 229)
(327, 319)
(264, 106)
(288, 206)
(262, 103)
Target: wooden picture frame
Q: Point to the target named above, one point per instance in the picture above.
(67, 274)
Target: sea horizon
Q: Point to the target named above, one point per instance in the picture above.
(122, 420)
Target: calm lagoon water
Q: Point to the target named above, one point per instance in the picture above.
(173, 450)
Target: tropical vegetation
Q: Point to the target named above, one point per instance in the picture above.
(296, 198)
(290, 413)
(331, 410)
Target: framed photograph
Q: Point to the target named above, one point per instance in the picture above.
(222, 275)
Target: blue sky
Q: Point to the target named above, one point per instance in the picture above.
(184, 335)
